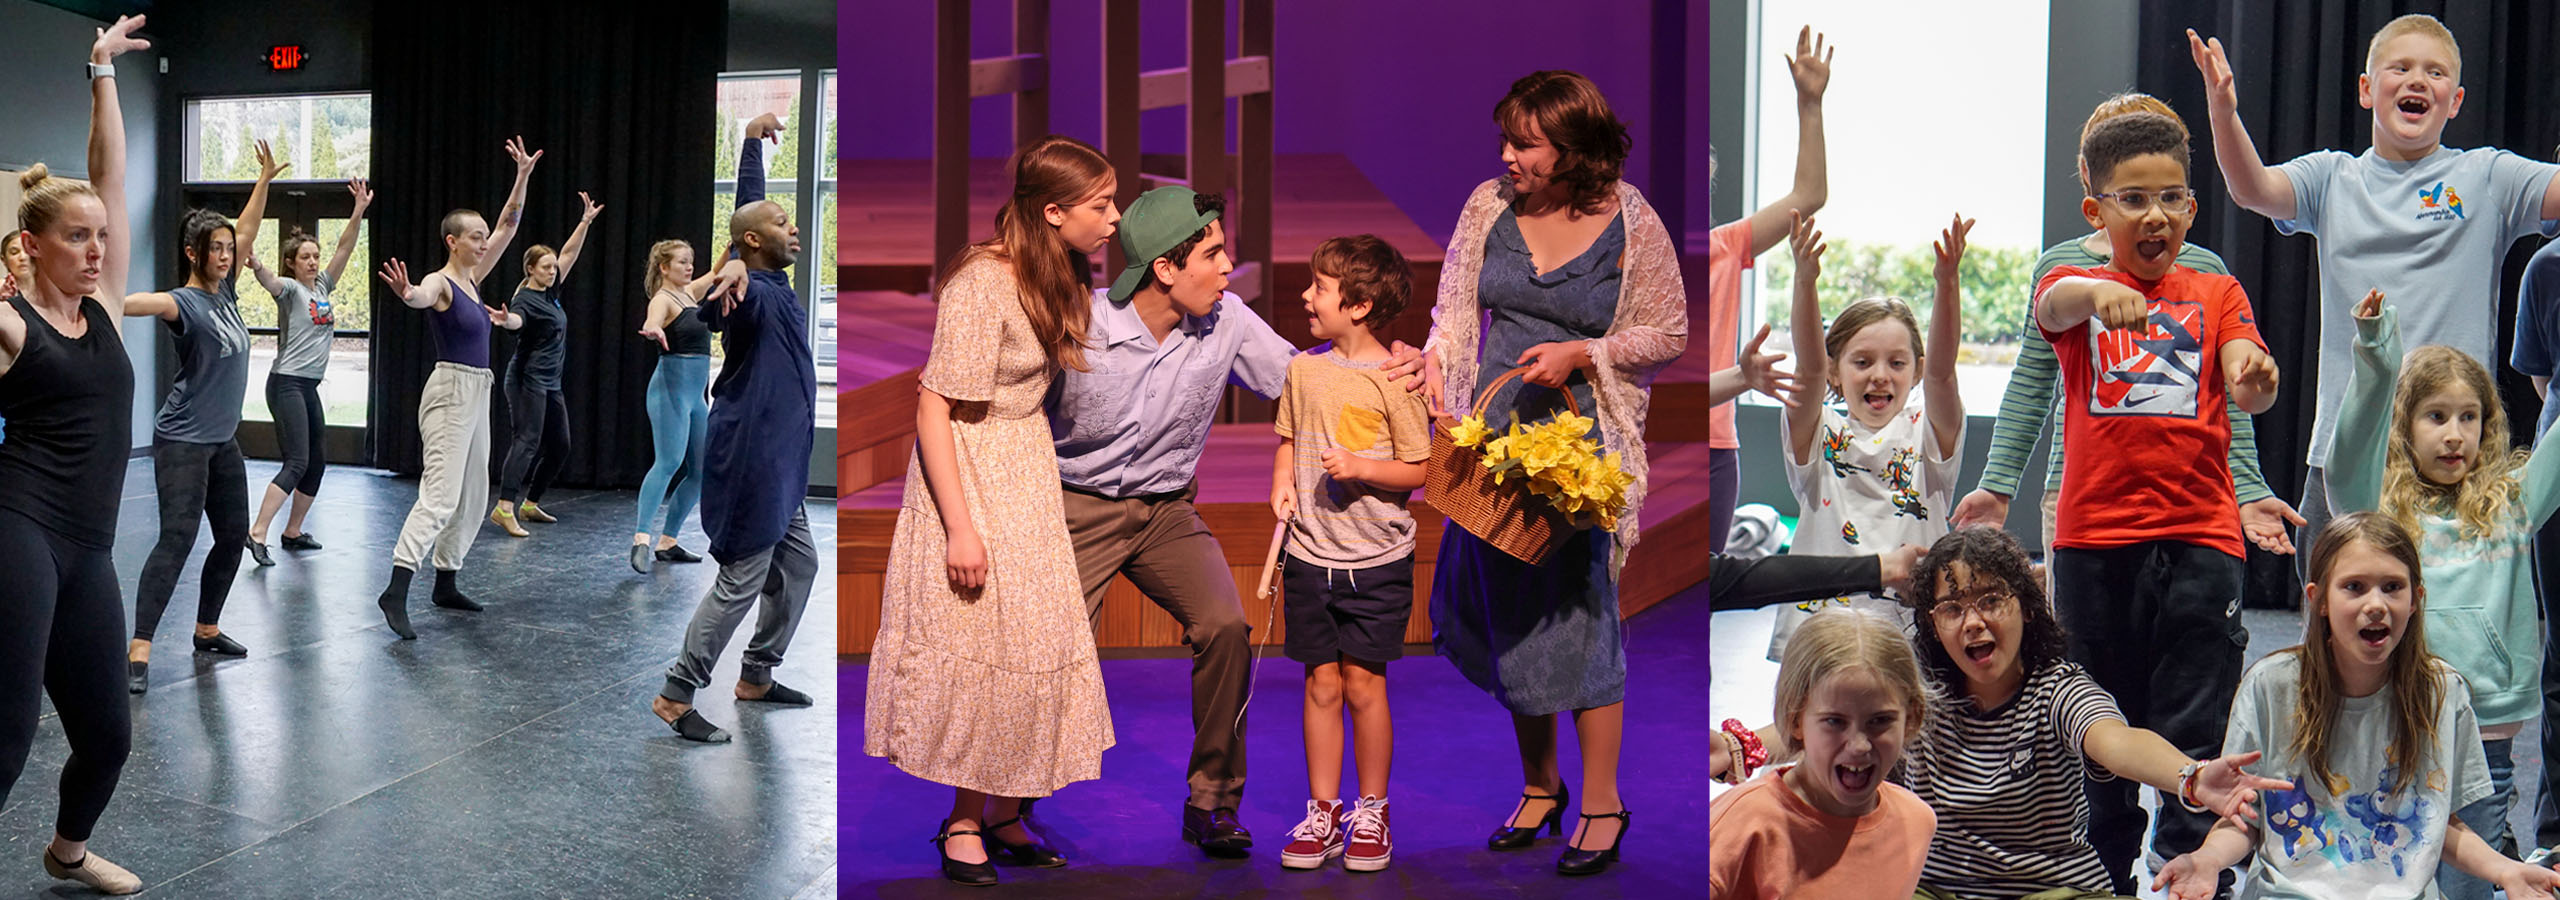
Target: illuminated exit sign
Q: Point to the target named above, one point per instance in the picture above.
(285, 57)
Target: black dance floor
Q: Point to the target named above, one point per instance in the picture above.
(505, 753)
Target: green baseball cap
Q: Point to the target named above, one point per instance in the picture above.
(1150, 227)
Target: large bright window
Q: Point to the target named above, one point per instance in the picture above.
(800, 174)
(327, 139)
(1903, 160)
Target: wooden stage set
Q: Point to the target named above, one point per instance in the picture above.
(888, 325)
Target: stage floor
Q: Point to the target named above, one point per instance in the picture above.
(1456, 777)
(505, 753)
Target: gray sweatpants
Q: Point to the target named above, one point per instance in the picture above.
(776, 581)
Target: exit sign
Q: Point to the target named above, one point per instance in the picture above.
(285, 57)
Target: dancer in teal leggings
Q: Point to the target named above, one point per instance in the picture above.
(679, 403)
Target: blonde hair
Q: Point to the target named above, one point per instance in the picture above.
(2413, 23)
(1857, 316)
(533, 256)
(2416, 677)
(44, 197)
(1842, 640)
(2485, 500)
(2124, 104)
(660, 254)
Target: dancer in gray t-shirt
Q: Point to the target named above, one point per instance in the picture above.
(305, 326)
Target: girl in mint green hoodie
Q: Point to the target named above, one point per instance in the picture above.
(2424, 441)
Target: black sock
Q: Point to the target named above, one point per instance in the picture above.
(395, 602)
(449, 596)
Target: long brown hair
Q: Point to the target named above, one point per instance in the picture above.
(2414, 675)
(1056, 280)
(2485, 499)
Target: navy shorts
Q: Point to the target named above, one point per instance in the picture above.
(1359, 613)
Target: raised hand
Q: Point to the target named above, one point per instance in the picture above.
(2119, 306)
(764, 126)
(1981, 507)
(2221, 92)
(592, 208)
(1760, 371)
(396, 274)
(2269, 523)
(1810, 65)
(117, 39)
(2222, 786)
(1950, 248)
(2371, 305)
(362, 192)
(524, 161)
(1805, 241)
(268, 167)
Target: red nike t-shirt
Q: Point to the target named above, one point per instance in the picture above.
(2155, 400)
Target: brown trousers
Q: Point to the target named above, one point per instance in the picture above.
(1161, 544)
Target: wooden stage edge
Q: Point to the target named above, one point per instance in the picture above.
(1663, 564)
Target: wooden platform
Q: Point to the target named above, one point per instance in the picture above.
(881, 352)
(1235, 479)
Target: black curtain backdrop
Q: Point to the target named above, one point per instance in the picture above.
(2296, 64)
(621, 105)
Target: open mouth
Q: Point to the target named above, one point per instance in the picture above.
(2152, 249)
(1980, 651)
(1878, 400)
(2414, 106)
(2374, 635)
(1854, 778)
(2451, 461)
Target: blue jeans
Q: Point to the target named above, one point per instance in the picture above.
(2487, 818)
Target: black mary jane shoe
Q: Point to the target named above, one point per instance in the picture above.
(300, 542)
(220, 645)
(1510, 838)
(258, 551)
(137, 677)
(1577, 861)
(677, 554)
(1029, 853)
(971, 874)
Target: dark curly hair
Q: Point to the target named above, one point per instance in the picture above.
(1591, 143)
(2110, 143)
(1988, 552)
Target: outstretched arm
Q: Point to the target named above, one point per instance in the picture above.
(106, 159)
(1810, 65)
(160, 305)
(355, 226)
(662, 312)
(422, 295)
(2253, 184)
(577, 239)
(504, 230)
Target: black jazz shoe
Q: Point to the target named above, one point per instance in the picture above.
(137, 677)
(1215, 831)
(1509, 838)
(1028, 853)
(677, 554)
(971, 874)
(300, 542)
(220, 645)
(258, 551)
(1578, 861)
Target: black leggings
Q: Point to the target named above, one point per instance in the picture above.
(542, 440)
(65, 635)
(300, 426)
(207, 481)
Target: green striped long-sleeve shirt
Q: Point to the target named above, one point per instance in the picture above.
(2030, 399)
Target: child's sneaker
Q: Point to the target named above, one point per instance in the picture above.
(1369, 843)
(1316, 839)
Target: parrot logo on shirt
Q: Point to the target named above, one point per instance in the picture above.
(2442, 198)
(1835, 450)
(1899, 475)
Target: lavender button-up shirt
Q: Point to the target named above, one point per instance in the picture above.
(1136, 423)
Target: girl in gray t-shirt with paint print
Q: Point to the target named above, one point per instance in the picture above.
(305, 325)
(195, 456)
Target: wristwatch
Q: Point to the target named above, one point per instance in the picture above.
(102, 71)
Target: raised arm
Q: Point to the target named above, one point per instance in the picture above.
(244, 238)
(1813, 363)
(1756, 371)
(355, 226)
(511, 215)
(1810, 65)
(577, 239)
(1946, 333)
(2254, 185)
(106, 159)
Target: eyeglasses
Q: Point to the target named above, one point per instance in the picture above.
(1992, 604)
(2134, 203)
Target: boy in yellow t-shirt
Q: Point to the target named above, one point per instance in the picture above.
(1352, 445)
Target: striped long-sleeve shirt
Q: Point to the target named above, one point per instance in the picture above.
(2031, 397)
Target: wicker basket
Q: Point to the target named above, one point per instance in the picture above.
(1505, 515)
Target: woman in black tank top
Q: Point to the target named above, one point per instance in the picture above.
(678, 402)
(66, 388)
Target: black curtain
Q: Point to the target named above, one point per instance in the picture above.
(2296, 64)
(621, 105)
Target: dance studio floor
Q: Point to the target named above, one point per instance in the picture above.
(506, 753)
(1456, 777)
